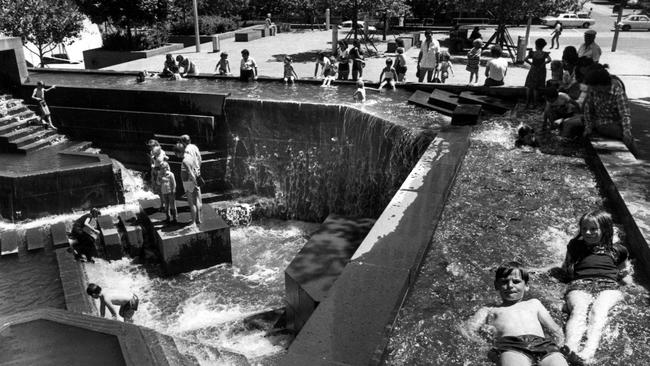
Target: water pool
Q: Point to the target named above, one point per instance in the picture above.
(207, 306)
(508, 204)
(390, 105)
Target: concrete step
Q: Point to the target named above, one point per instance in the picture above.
(39, 143)
(10, 103)
(15, 117)
(20, 108)
(421, 98)
(28, 139)
(13, 126)
(444, 99)
(15, 134)
(496, 105)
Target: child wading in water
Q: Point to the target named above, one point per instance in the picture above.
(474, 59)
(167, 183)
(517, 323)
(39, 95)
(388, 75)
(360, 94)
(329, 72)
(289, 72)
(128, 303)
(223, 66)
(593, 263)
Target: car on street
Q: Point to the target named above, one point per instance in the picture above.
(568, 20)
(347, 25)
(634, 21)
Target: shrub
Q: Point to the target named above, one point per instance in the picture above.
(208, 24)
(140, 40)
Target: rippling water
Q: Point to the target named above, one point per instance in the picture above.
(208, 305)
(508, 204)
(389, 104)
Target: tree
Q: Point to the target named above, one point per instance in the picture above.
(44, 23)
(127, 14)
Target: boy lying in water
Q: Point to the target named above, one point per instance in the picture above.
(517, 323)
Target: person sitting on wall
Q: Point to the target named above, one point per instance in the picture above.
(606, 108)
(189, 67)
(85, 231)
(476, 34)
(168, 66)
(496, 68)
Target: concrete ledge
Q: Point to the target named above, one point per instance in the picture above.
(59, 337)
(98, 58)
(626, 182)
(74, 283)
(350, 327)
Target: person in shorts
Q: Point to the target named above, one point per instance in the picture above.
(518, 324)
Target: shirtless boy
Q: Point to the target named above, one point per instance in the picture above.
(517, 323)
(128, 303)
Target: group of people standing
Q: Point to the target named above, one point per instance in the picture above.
(163, 181)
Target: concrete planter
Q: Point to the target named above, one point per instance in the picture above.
(98, 58)
(190, 40)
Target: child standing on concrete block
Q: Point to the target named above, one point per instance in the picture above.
(167, 183)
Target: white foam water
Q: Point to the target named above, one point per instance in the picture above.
(208, 306)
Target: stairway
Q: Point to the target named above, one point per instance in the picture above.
(21, 130)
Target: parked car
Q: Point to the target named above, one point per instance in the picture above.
(634, 21)
(568, 20)
(347, 25)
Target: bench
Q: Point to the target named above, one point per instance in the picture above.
(247, 35)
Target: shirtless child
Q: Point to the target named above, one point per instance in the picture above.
(128, 303)
(517, 324)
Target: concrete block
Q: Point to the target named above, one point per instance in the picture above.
(134, 239)
(421, 98)
(353, 320)
(319, 263)
(59, 235)
(466, 114)
(35, 239)
(496, 105)
(9, 241)
(110, 237)
(185, 248)
(391, 47)
(444, 99)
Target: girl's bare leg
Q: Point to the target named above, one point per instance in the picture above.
(578, 303)
(597, 320)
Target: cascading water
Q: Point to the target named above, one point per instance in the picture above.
(207, 306)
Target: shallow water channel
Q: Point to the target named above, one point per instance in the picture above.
(208, 306)
(508, 204)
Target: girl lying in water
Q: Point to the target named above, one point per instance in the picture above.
(594, 264)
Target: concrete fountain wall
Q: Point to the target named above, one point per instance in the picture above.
(43, 192)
